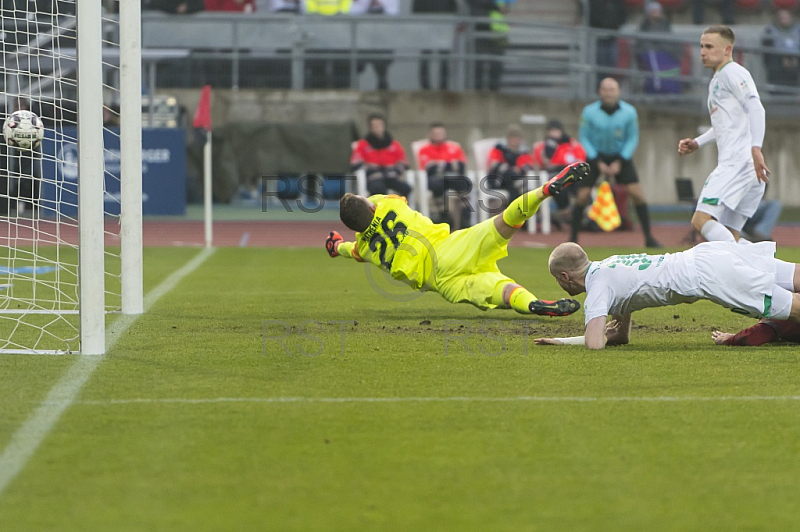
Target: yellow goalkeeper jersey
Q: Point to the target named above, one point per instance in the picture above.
(399, 240)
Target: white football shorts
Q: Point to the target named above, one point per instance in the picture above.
(731, 193)
(741, 278)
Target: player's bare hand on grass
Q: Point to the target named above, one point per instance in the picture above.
(762, 172)
(547, 341)
(617, 332)
(687, 146)
(720, 337)
(332, 243)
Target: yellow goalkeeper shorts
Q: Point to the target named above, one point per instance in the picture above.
(466, 265)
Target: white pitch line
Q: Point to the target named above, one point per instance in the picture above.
(30, 435)
(521, 399)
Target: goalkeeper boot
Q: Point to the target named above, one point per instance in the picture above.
(571, 174)
(562, 307)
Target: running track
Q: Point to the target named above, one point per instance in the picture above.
(312, 234)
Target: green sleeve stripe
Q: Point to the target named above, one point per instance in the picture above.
(711, 201)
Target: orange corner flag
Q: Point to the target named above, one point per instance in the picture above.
(604, 211)
(202, 117)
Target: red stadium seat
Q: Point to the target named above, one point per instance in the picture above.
(634, 5)
(748, 5)
(791, 5)
(624, 52)
(686, 60)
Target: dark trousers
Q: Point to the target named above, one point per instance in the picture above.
(381, 180)
(425, 67)
(727, 9)
(488, 71)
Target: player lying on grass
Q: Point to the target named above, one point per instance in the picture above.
(461, 266)
(746, 279)
(764, 332)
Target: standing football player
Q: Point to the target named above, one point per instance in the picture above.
(734, 189)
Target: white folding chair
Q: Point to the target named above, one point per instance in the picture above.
(361, 177)
(535, 180)
(480, 150)
(421, 186)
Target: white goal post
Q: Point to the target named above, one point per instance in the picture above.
(65, 271)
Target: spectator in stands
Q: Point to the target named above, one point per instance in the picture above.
(491, 40)
(239, 6)
(376, 7)
(552, 155)
(727, 9)
(658, 57)
(327, 7)
(427, 7)
(321, 73)
(445, 163)
(654, 19)
(607, 15)
(383, 158)
(784, 36)
(509, 163)
(177, 7)
(283, 6)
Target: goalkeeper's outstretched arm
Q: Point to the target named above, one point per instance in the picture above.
(336, 246)
(348, 250)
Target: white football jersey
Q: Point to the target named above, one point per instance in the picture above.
(625, 283)
(729, 89)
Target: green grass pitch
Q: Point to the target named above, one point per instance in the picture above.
(240, 402)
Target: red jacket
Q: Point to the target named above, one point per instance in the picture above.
(363, 153)
(231, 5)
(501, 155)
(566, 153)
(447, 152)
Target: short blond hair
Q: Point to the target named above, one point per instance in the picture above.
(568, 257)
(723, 31)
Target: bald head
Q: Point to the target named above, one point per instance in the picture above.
(568, 257)
(609, 91)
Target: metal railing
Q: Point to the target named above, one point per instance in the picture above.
(307, 51)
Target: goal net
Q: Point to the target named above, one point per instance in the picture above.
(70, 218)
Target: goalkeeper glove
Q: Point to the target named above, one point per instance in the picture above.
(332, 242)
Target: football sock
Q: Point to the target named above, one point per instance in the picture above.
(643, 213)
(523, 208)
(713, 231)
(521, 300)
(577, 219)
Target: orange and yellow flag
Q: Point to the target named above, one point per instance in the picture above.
(604, 211)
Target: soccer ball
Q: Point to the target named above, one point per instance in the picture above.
(23, 130)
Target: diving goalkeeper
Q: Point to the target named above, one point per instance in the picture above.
(461, 266)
